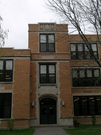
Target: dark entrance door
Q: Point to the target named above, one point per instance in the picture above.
(48, 111)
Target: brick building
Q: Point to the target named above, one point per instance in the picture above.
(55, 81)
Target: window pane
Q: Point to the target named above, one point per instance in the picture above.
(7, 112)
(43, 69)
(75, 80)
(98, 100)
(74, 73)
(51, 47)
(8, 64)
(84, 106)
(7, 99)
(80, 55)
(80, 47)
(1, 76)
(51, 38)
(51, 78)
(82, 77)
(84, 100)
(1, 65)
(43, 79)
(96, 54)
(1, 105)
(96, 73)
(43, 38)
(8, 75)
(87, 55)
(73, 55)
(94, 47)
(89, 73)
(82, 73)
(76, 106)
(51, 69)
(77, 101)
(43, 47)
(92, 105)
(86, 49)
(73, 47)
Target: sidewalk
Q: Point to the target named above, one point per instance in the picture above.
(49, 131)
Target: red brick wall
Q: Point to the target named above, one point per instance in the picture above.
(21, 96)
(33, 89)
(33, 42)
(62, 27)
(87, 120)
(6, 86)
(65, 89)
(17, 124)
(19, 87)
(62, 42)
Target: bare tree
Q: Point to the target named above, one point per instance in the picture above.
(3, 34)
(82, 15)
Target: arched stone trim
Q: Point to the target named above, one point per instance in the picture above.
(48, 96)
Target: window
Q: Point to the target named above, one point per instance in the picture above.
(47, 43)
(82, 77)
(80, 51)
(47, 73)
(5, 105)
(98, 105)
(6, 70)
(76, 106)
(87, 105)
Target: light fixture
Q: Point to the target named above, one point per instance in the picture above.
(32, 103)
(63, 103)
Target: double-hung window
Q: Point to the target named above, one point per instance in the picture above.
(47, 42)
(6, 70)
(47, 73)
(80, 51)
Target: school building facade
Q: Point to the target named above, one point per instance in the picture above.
(55, 81)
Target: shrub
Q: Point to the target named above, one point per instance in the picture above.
(93, 120)
(10, 124)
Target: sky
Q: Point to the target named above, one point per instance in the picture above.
(17, 14)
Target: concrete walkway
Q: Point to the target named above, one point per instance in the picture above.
(50, 131)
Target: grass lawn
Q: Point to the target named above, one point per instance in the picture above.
(85, 130)
(17, 132)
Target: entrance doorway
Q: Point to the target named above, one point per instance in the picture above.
(48, 111)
